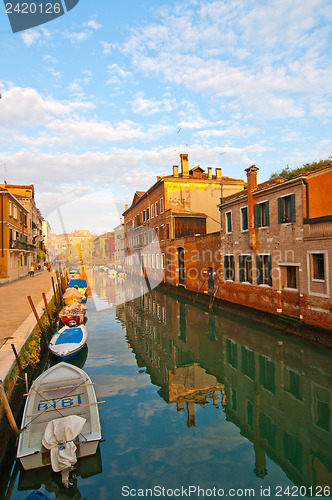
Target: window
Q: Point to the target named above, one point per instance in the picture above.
(147, 214)
(153, 265)
(261, 211)
(152, 212)
(318, 268)
(291, 277)
(144, 215)
(229, 267)
(263, 269)
(157, 260)
(161, 205)
(167, 231)
(149, 260)
(244, 218)
(156, 211)
(286, 209)
(245, 268)
(10, 208)
(231, 353)
(15, 212)
(229, 222)
(163, 261)
(161, 233)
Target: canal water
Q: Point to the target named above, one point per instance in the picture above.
(197, 404)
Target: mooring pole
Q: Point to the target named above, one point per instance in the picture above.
(8, 410)
(17, 358)
(38, 319)
(48, 312)
(55, 294)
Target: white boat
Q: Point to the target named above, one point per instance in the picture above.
(61, 391)
(68, 341)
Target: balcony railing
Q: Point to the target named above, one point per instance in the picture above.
(21, 245)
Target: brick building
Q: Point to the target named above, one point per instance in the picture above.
(180, 205)
(276, 246)
(67, 247)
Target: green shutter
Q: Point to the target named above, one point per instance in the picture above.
(259, 269)
(257, 213)
(292, 208)
(280, 210)
(250, 268)
(269, 269)
(226, 267)
(245, 218)
(267, 213)
(241, 270)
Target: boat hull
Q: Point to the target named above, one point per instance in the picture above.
(61, 391)
(68, 342)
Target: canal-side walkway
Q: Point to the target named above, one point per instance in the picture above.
(16, 318)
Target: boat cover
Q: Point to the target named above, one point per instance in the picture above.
(58, 438)
(72, 292)
(79, 283)
(70, 336)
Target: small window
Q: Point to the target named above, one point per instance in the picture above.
(263, 269)
(229, 267)
(244, 218)
(152, 212)
(167, 231)
(147, 214)
(318, 267)
(156, 211)
(10, 208)
(261, 211)
(286, 209)
(161, 205)
(291, 277)
(245, 269)
(229, 222)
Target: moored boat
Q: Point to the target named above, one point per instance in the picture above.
(62, 391)
(74, 312)
(80, 284)
(68, 341)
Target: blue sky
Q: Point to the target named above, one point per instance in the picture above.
(94, 100)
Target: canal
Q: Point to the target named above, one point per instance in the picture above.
(197, 403)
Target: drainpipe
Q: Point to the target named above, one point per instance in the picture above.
(2, 254)
(305, 182)
(251, 186)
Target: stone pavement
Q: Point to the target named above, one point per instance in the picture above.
(16, 317)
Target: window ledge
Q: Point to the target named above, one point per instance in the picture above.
(264, 285)
(318, 280)
(229, 281)
(290, 289)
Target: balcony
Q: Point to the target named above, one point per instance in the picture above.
(21, 245)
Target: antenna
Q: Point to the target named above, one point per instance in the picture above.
(178, 132)
(221, 186)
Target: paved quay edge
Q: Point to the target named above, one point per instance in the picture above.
(19, 338)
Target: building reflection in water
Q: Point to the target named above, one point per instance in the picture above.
(275, 389)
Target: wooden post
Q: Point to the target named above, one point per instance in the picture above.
(8, 410)
(55, 294)
(17, 358)
(48, 312)
(37, 318)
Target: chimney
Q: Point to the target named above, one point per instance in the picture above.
(251, 178)
(126, 208)
(175, 171)
(251, 186)
(184, 165)
(209, 172)
(121, 221)
(218, 173)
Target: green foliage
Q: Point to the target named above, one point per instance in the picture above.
(288, 173)
(41, 256)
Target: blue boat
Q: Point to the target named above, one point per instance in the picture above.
(67, 342)
(80, 284)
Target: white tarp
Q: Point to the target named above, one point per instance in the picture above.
(58, 438)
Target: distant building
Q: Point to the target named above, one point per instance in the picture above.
(67, 246)
(103, 248)
(119, 244)
(46, 228)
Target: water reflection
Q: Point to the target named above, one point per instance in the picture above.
(275, 389)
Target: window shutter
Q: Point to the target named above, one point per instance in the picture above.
(292, 208)
(269, 269)
(226, 267)
(250, 268)
(259, 269)
(280, 203)
(267, 213)
(257, 214)
(241, 270)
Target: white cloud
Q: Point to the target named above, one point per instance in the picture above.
(30, 37)
(117, 73)
(152, 106)
(106, 47)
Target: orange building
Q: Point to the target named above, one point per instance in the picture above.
(17, 252)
